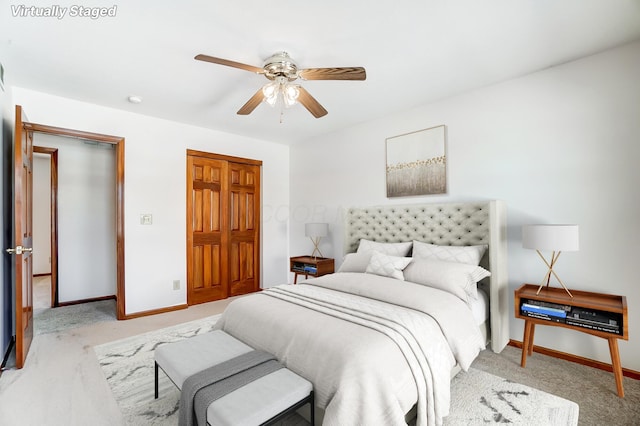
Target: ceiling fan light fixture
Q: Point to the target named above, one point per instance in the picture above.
(270, 92)
(278, 89)
(290, 94)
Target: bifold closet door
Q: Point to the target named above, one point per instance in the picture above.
(207, 235)
(244, 226)
(223, 228)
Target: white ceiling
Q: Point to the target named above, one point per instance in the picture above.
(414, 51)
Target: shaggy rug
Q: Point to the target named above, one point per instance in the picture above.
(477, 398)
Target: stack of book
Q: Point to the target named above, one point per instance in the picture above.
(305, 268)
(594, 320)
(544, 310)
(312, 269)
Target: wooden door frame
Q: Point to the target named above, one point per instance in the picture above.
(119, 148)
(53, 191)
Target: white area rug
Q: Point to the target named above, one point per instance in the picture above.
(477, 398)
(128, 366)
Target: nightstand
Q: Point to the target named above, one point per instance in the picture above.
(602, 315)
(310, 266)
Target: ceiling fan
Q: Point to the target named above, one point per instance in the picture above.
(282, 71)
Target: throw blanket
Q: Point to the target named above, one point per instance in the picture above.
(201, 389)
(372, 346)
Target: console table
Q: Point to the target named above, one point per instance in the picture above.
(310, 265)
(602, 315)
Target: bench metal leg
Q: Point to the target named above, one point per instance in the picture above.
(313, 409)
(156, 394)
(308, 400)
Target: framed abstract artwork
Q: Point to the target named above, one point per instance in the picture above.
(416, 163)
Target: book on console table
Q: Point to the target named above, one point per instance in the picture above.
(593, 325)
(552, 312)
(608, 318)
(541, 316)
(565, 308)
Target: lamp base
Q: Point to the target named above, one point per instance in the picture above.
(550, 265)
(316, 242)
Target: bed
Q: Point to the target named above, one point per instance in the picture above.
(379, 349)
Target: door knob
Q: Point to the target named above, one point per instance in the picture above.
(19, 250)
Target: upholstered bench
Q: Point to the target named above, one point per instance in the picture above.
(265, 400)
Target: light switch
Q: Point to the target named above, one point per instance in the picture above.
(146, 219)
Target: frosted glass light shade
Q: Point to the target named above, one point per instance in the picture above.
(314, 230)
(550, 237)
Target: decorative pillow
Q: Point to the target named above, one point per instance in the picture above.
(387, 266)
(459, 279)
(461, 254)
(392, 249)
(355, 262)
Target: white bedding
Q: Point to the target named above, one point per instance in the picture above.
(364, 341)
(480, 307)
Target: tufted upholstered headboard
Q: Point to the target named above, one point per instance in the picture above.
(460, 224)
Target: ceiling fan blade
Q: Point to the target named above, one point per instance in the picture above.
(228, 63)
(310, 103)
(251, 103)
(343, 73)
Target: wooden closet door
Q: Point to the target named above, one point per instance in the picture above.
(244, 228)
(223, 226)
(207, 230)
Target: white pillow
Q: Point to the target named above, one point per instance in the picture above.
(392, 249)
(355, 262)
(459, 279)
(387, 266)
(461, 254)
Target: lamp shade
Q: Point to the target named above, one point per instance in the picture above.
(550, 237)
(314, 230)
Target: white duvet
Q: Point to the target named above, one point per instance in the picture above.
(372, 346)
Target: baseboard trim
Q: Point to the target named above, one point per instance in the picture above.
(577, 359)
(155, 311)
(92, 299)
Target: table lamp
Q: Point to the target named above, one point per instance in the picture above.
(316, 231)
(554, 238)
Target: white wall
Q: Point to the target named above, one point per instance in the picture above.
(86, 217)
(41, 214)
(155, 182)
(559, 146)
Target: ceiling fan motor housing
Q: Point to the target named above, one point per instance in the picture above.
(281, 65)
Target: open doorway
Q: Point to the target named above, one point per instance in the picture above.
(45, 225)
(116, 251)
(74, 223)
